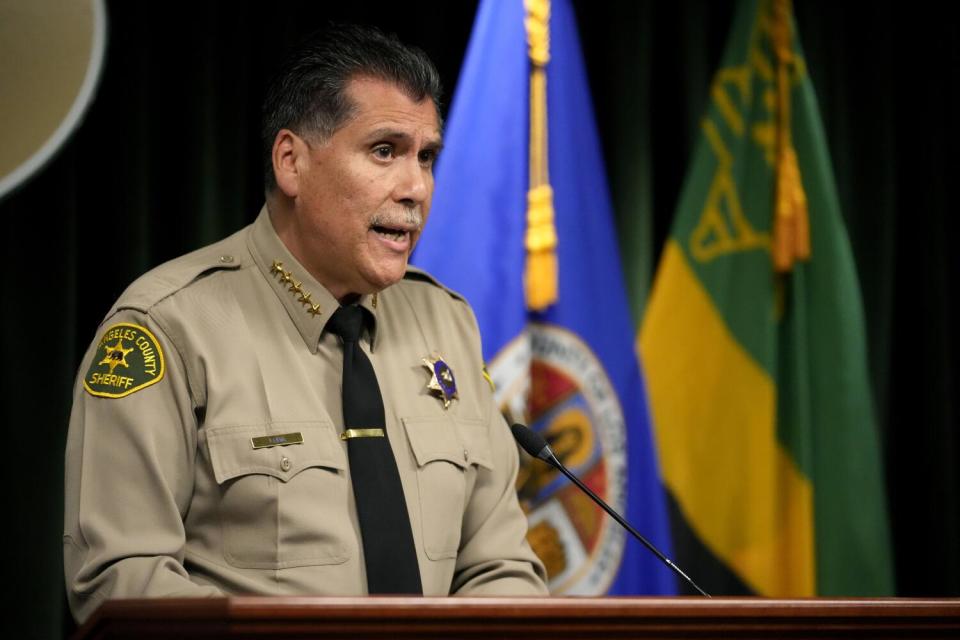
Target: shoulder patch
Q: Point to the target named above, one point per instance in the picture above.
(128, 359)
(419, 275)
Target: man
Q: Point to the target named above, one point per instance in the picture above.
(225, 416)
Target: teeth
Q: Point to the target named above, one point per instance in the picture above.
(391, 233)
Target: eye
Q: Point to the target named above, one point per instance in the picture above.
(427, 157)
(383, 151)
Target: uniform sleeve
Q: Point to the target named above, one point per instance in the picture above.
(128, 470)
(494, 557)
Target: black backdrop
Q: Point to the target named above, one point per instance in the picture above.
(167, 160)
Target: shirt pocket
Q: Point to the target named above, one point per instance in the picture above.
(281, 506)
(447, 452)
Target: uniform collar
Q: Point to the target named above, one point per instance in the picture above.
(307, 302)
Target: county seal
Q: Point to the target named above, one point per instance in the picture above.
(551, 379)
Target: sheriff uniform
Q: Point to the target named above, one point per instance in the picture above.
(204, 455)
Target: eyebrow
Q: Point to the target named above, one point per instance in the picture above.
(387, 133)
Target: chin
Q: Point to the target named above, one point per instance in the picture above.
(382, 279)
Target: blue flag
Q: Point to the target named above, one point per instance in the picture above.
(569, 371)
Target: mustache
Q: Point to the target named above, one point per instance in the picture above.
(402, 218)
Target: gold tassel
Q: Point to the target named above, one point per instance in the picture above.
(540, 273)
(541, 241)
(791, 232)
(791, 224)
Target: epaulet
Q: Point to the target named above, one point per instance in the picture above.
(419, 275)
(170, 277)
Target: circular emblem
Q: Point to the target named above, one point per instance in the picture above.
(128, 359)
(52, 90)
(549, 378)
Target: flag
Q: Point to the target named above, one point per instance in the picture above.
(521, 224)
(754, 341)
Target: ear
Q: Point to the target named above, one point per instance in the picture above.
(287, 149)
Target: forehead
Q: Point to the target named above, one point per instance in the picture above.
(380, 103)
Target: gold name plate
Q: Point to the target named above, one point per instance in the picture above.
(279, 440)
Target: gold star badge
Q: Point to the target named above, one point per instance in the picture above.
(442, 383)
(116, 355)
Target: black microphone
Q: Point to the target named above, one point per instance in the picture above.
(534, 444)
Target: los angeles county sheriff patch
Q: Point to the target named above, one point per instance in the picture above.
(128, 359)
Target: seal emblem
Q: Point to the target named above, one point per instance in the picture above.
(551, 379)
(128, 359)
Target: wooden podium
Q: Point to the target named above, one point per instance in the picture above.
(526, 618)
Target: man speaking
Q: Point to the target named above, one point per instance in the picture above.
(293, 410)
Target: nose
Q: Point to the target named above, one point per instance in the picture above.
(413, 183)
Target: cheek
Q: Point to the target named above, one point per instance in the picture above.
(428, 199)
(343, 180)
(365, 192)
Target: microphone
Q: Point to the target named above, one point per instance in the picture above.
(534, 444)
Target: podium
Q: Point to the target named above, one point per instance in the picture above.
(526, 618)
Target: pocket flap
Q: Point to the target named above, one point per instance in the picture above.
(232, 451)
(435, 438)
(460, 441)
(476, 440)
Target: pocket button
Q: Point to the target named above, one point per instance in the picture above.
(285, 463)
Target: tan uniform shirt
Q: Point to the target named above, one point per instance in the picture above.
(166, 494)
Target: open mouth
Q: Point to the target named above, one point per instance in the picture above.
(391, 233)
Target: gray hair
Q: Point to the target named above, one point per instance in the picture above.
(308, 93)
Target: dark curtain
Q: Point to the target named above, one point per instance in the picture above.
(168, 159)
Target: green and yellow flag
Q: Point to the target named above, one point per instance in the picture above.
(754, 341)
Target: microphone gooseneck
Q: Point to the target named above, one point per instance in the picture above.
(535, 444)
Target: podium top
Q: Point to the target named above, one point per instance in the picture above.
(558, 617)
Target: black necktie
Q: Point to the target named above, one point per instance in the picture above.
(388, 548)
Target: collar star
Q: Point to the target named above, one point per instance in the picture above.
(442, 383)
(295, 287)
